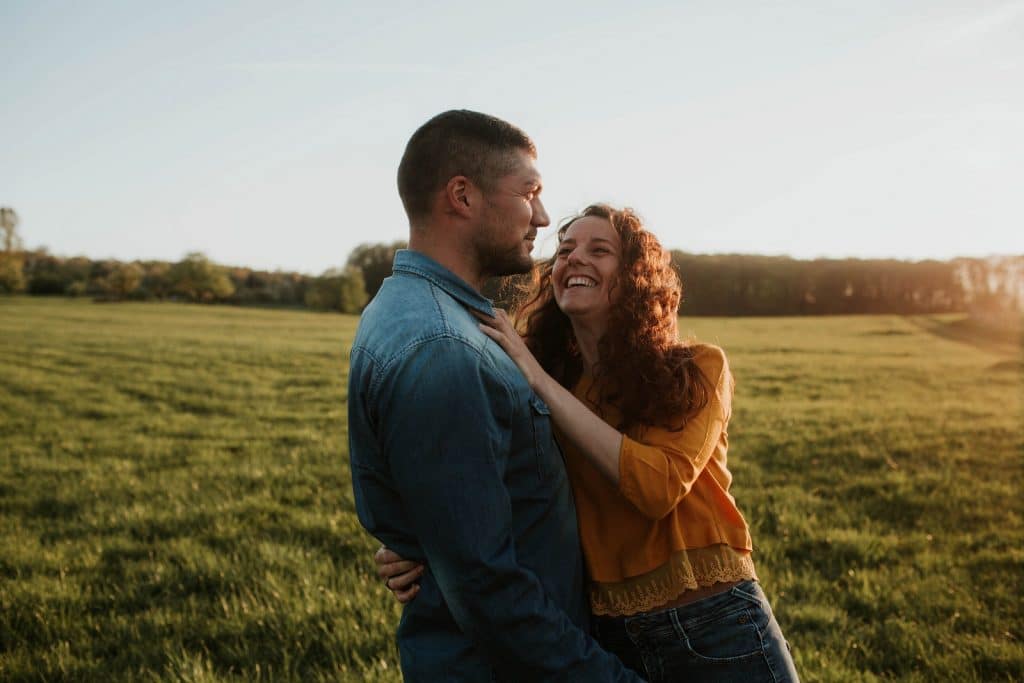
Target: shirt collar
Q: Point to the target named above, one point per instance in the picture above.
(415, 263)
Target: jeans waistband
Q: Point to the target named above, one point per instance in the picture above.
(748, 591)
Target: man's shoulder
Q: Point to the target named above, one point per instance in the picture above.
(432, 363)
(410, 316)
(404, 309)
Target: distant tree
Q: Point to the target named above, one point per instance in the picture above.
(9, 230)
(991, 284)
(42, 271)
(77, 268)
(289, 288)
(198, 279)
(12, 276)
(318, 296)
(352, 291)
(124, 280)
(253, 288)
(76, 288)
(337, 290)
(155, 280)
(374, 261)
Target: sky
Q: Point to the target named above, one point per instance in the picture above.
(268, 134)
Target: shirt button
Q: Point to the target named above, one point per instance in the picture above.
(742, 619)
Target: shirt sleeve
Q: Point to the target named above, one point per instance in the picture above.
(448, 438)
(658, 470)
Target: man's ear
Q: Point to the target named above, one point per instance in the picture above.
(461, 196)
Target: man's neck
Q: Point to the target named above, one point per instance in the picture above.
(448, 255)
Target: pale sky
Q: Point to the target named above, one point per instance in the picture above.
(267, 134)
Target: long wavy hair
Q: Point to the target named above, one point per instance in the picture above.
(644, 370)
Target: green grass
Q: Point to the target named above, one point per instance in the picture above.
(175, 502)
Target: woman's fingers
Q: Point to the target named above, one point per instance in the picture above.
(499, 320)
(403, 581)
(502, 321)
(385, 555)
(392, 569)
(482, 317)
(407, 595)
(405, 586)
(499, 327)
(400, 575)
(494, 334)
(390, 564)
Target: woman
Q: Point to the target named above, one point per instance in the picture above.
(642, 421)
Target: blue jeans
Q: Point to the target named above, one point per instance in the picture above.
(732, 636)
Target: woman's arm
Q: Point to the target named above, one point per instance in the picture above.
(654, 474)
(589, 433)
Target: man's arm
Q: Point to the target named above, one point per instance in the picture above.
(448, 466)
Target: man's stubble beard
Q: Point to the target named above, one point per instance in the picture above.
(494, 260)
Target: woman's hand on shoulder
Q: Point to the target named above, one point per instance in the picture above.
(503, 332)
(401, 576)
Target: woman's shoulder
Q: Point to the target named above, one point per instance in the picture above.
(710, 359)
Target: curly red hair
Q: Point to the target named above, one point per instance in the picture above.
(644, 370)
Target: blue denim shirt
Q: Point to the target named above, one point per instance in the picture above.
(454, 464)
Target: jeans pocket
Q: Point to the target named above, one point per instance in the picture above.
(752, 593)
(731, 635)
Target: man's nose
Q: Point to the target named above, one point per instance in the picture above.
(540, 214)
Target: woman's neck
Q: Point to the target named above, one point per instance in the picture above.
(588, 334)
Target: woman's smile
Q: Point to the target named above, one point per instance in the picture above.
(586, 266)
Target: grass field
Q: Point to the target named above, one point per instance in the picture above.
(175, 502)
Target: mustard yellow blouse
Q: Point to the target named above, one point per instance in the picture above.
(671, 525)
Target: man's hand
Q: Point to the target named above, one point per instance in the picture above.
(400, 576)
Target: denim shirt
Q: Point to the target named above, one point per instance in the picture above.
(454, 464)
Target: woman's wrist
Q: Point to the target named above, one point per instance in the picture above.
(543, 384)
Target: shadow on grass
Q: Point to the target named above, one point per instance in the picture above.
(1001, 333)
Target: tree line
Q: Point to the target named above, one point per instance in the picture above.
(771, 285)
(731, 284)
(195, 278)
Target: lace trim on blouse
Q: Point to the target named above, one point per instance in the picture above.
(687, 569)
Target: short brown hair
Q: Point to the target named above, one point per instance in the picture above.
(457, 142)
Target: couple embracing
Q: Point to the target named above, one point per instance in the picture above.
(552, 492)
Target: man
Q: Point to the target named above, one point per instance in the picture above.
(453, 460)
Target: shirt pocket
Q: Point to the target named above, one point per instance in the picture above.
(545, 449)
